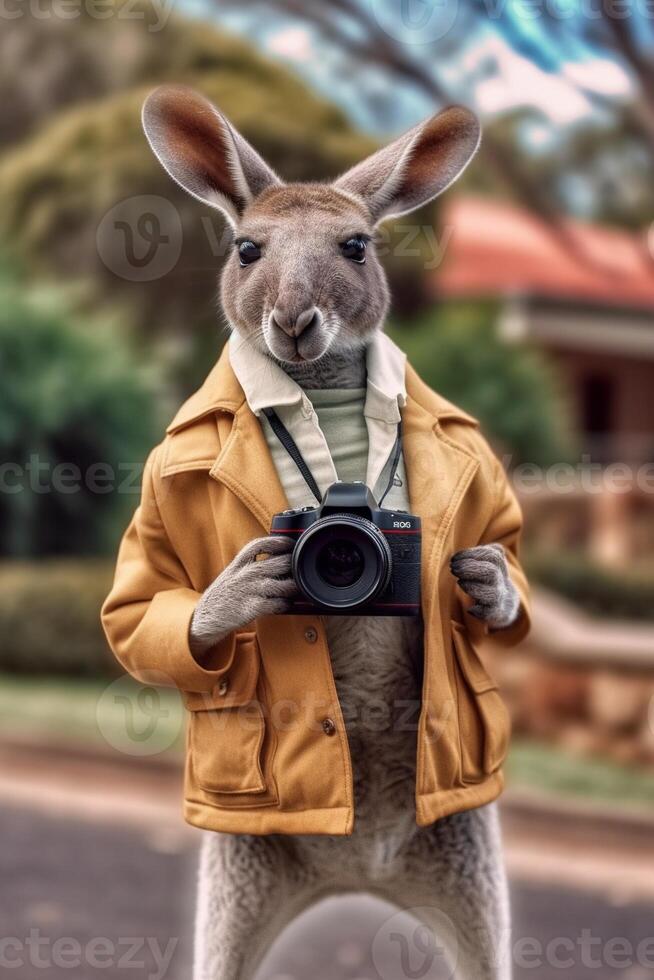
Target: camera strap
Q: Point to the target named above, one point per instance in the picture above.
(289, 444)
(291, 447)
(397, 453)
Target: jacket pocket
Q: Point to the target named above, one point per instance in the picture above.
(227, 728)
(484, 723)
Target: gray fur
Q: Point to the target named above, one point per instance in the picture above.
(483, 573)
(301, 268)
(252, 585)
(313, 310)
(250, 888)
(334, 370)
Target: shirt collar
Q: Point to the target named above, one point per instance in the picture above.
(386, 388)
(266, 384)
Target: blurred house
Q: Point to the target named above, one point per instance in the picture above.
(584, 294)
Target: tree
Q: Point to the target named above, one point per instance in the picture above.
(59, 188)
(548, 35)
(352, 28)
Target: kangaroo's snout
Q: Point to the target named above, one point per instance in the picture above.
(296, 336)
(292, 323)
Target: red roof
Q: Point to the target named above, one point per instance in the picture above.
(497, 248)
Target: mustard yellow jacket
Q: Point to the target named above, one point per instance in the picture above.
(259, 759)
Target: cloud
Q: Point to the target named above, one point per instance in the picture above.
(293, 43)
(502, 80)
(599, 75)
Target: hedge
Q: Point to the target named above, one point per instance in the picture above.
(50, 618)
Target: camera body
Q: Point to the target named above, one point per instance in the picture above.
(353, 557)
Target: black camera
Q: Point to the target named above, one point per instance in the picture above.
(352, 557)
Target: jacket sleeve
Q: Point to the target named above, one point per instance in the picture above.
(505, 528)
(147, 615)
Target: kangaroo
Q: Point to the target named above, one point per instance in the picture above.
(304, 287)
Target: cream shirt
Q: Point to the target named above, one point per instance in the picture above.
(266, 385)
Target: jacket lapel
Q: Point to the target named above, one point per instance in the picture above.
(217, 415)
(439, 472)
(245, 466)
(438, 469)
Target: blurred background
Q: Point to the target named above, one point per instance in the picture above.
(525, 295)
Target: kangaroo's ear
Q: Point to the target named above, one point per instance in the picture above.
(202, 151)
(416, 167)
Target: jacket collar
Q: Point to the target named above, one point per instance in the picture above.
(266, 384)
(439, 469)
(235, 453)
(222, 392)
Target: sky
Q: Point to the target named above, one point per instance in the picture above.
(506, 57)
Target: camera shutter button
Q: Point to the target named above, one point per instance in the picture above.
(311, 634)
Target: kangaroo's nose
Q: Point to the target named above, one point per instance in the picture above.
(292, 323)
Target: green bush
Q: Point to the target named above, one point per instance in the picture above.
(50, 618)
(620, 594)
(76, 419)
(510, 389)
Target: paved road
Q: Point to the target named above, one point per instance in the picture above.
(73, 897)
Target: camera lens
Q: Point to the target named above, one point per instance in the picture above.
(340, 563)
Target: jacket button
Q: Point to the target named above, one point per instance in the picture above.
(329, 727)
(311, 635)
(223, 687)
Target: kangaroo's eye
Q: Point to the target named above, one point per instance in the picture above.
(248, 252)
(355, 249)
